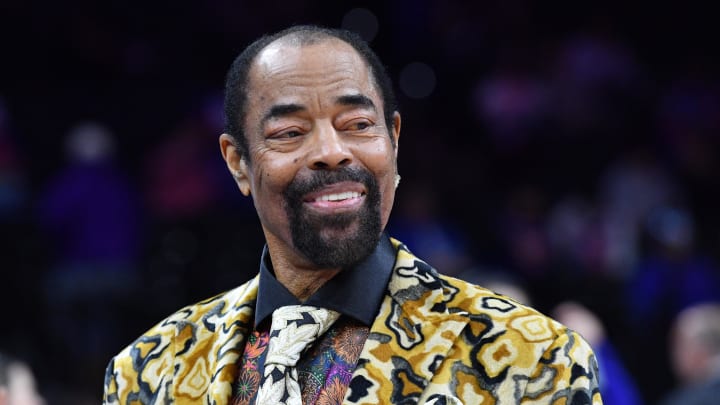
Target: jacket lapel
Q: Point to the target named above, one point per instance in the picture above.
(410, 337)
(207, 350)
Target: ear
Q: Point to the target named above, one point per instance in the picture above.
(236, 163)
(396, 131)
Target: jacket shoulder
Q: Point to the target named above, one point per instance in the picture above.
(529, 356)
(146, 368)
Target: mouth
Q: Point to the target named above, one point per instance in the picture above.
(337, 197)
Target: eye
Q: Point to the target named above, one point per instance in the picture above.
(290, 134)
(287, 134)
(358, 125)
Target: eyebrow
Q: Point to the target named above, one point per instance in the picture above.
(357, 100)
(280, 110)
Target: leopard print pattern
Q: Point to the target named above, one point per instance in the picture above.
(189, 358)
(436, 340)
(444, 341)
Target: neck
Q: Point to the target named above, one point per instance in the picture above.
(300, 277)
(304, 283)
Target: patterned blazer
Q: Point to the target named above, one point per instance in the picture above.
(436, 340)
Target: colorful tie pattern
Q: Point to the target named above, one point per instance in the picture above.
(293, 329)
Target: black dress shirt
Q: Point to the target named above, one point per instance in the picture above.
(355, 292)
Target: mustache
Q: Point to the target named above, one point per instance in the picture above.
(321, 178)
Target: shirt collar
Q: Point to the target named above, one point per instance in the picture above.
(356, 292)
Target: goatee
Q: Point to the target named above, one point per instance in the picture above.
(311, 231)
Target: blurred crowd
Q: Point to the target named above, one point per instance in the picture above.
(565, 154)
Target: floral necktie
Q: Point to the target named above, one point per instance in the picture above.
(293, 329)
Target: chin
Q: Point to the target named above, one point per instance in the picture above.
(338, 247)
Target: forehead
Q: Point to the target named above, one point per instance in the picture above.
(286, 68)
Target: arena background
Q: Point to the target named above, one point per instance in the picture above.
(571, 148)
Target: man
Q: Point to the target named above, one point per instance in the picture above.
(695, 355)
(312, 136)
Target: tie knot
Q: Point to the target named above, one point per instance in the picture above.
(293, 329)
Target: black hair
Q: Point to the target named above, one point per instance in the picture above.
(236, 83)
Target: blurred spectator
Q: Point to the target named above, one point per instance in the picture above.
(89, 206)
(184, 178)
(672, 274)
(522, 229)
(688, 119)
(616, 384)
(695, 355)
(575, 234)
(93, 226)
(187, 195)
(630, 188)
(17, 383)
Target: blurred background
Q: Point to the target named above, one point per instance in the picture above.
(570, 149)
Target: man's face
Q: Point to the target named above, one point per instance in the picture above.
(321, 164)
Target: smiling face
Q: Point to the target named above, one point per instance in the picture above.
(321, 163)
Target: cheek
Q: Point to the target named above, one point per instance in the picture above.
(380, 156)
(272, 174)
(268, 185)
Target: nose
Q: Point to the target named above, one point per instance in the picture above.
(328, 148)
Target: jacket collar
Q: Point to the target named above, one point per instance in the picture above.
(230, 321)
(413, 313)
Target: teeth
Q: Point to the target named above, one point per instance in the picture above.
(339, 196)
